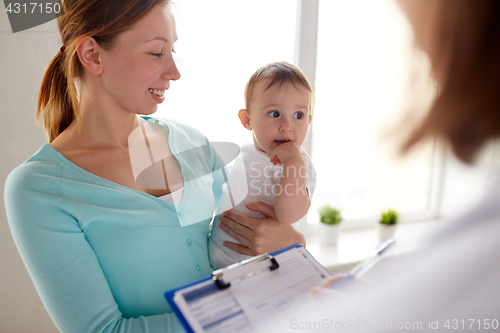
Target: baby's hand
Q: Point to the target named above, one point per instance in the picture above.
(285, 152)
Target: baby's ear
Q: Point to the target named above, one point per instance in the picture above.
(245, 118)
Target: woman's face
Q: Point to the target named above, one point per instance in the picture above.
(138, 68)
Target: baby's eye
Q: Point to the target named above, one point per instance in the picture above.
(273, 114)
(298, 115)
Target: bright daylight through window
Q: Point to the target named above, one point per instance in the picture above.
(367, 75)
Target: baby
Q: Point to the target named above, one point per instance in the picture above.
(274, 168)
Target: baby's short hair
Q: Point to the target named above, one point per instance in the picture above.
(279, 73)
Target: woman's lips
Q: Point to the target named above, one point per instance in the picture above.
(157, 94)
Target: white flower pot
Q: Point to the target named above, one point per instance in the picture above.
(329, 233)
(385, 231)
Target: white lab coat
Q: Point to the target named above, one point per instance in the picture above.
(451, 285)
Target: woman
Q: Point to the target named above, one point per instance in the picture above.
(100, 248)
(454, 283)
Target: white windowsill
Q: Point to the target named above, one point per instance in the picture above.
(355, 245)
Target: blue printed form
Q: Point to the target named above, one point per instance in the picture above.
(254, 303)
(213, 310)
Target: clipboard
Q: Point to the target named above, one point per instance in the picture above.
(240, 296)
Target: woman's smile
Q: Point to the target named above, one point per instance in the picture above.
(157, 94)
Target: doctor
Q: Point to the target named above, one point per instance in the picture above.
(454, 284)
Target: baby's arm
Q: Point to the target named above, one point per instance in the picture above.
(292, 199)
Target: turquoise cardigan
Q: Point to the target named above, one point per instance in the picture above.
(101, 255)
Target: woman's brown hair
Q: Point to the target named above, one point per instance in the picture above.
(466, 112)
(104, 20)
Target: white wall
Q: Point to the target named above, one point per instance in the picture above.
(23, 58)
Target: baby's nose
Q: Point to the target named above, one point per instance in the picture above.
(286, 126)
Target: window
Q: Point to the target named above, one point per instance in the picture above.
(367, 74)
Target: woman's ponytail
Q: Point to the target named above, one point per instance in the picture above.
(54, 99)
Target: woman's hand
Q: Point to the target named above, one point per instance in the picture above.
(258, 236)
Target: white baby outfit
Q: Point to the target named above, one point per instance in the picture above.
(252, 178)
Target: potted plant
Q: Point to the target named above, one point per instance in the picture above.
(330, 218)
(387, 224)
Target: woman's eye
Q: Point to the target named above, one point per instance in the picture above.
(273, 114)
(298, 115)
(157, 54)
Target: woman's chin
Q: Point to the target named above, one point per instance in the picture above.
(148, 111)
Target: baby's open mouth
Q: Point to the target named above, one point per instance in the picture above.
(280, 142)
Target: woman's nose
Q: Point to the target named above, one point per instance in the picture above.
(171, 72)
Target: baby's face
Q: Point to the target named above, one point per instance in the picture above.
(279, 114)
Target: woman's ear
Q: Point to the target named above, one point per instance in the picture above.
(245, 118)
(88, 54)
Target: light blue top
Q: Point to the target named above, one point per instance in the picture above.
(101, 255)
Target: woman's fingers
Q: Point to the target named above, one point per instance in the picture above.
(262, 207)
(241, 230)
(235, 230)
(239, 248)
(240, 219)
(238, 232)
(249, 222)
(259, 235)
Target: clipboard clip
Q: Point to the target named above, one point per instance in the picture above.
(245, 269)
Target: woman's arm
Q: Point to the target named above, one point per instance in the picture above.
(258, 236)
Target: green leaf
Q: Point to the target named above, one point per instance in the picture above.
(389, 217)
(330, 215)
